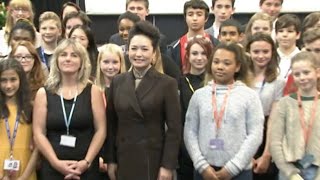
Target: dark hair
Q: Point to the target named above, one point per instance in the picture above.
(196, 4)
(262, 1)
(69, 4)
(288, 20)
(147, 29)
(36, 77)
(23, 24)
(22, 95)
(204, 43)
(232, 3)
(233, 23)
(146, 3)
(271, 72)
(241, 58)
(92, 47)
(81, 15)
(128, 15)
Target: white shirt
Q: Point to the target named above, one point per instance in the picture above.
(285, 62)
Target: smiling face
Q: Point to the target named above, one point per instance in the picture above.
(25, 58)
(261, 53)
(195, 19)
(224, 66)
(222, 10)
(69, 61)
(141, 52)
(305, 76)
(198, 58)
(80, 36)
(49, 31)
(10, 83)
(110, 64)
(124, 27)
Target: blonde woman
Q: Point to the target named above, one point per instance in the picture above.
(69, 117)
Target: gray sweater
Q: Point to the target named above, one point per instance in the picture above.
(241, 128)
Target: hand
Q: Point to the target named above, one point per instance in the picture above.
(209, 174)
(164, 174)
(66, 167)
(112, 171)
(103, 167)
(296, 177)
(223, 174)
(261, 164)
(82, 166)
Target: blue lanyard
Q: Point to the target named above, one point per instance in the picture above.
(14, 134)
(44, 59)
(68, 121)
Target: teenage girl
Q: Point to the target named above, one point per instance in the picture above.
(295, 135)
(15, 124)
(264, 65)
(224, 120)
(198, 52)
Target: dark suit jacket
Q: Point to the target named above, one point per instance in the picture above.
(137, 140)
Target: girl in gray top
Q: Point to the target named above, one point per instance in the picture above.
(224, 120)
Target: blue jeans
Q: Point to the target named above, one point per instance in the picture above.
(307, 174)
(244, 175)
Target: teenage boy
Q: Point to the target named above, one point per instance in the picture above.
(230, 31)
(196, 14)
(50, 31)
(287, 33)
(141, 8)
(222, 10)
(311, 41)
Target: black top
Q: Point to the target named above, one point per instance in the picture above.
(81, 127)
(196, 82)
(44, 57)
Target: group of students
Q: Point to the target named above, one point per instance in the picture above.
(218, 103)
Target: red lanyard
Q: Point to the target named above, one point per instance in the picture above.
(307, 130)
(218, 116)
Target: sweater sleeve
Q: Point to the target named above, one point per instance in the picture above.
(191, 135)
(254, 129)
(276, 139)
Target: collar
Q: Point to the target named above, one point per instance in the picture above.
(290, 56)
(139, 74)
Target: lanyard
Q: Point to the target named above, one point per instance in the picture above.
(190, 85)
(262, 86)
(14, 134)
(307, 129)
(44, 59)
(68, 121)
(219, 116)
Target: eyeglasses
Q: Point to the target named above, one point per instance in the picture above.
(27, 58)
(19, 9)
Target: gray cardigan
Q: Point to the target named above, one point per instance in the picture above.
(241, 128)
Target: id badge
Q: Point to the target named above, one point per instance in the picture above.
(11, 165)
(306, 161)
(67, 140)
(216, 144)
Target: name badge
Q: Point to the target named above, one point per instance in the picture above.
(11, 164)
(67, 140)
(216, 144)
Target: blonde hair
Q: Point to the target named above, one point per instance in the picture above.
(258, 16)
(49, 15)
(113, 49)
(157, 63)
(54, 78)
(9, 20)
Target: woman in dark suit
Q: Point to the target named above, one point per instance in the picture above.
(142, 103)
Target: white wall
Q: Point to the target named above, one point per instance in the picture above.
(176, 6)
